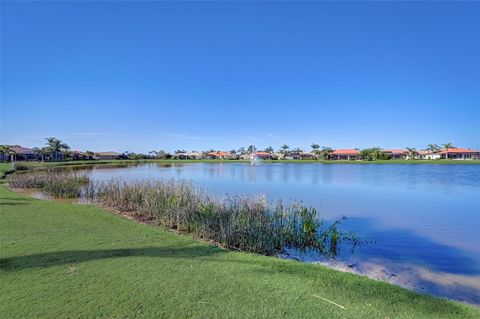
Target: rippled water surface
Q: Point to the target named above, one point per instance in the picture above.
(424, 219)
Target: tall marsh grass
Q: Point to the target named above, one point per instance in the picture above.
(234, 222)
(52, 183)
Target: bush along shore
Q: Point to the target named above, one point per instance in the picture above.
(233, 222)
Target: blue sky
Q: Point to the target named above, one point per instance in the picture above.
(141, 76)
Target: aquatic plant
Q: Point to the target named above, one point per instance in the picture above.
(56, 184)
(234, 222)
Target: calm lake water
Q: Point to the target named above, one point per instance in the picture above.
(424, 219)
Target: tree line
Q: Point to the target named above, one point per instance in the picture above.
(57, 150)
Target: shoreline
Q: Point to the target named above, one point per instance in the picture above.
(406, 277)
(331, 264)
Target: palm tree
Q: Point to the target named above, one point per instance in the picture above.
(447, 146)
(433, 148)
(284, 148)
(326, 153)
(67, 154)
(315, 148)
(56, 146)
(241, 150)
(412, 152)
(269, 150)
(251, 149)
(7, 151)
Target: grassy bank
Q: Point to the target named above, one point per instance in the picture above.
(71, 261)
(235, 222)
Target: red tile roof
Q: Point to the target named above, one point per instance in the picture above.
(453, 150)
(262, 154)
(346, 152)
(21, 150)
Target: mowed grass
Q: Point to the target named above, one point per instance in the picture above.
(71, 261)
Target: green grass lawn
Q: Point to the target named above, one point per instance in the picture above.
(71, 261)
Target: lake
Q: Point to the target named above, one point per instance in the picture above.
(423, 220)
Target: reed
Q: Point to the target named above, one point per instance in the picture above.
(234, 222)
(52, 183)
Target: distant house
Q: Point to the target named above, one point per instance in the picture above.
(299, 156)
(218, 155)
(263, 155)
(79, 155)
(293, 156)
(346, 154)
(427, 155)
(459, 153)
(396, 154)
(107, 155)
(20, 153)
(307, 156)
(189, 156)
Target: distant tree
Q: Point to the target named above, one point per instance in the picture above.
(447, 146)
(412, 152)
(160, 154)
(326, 153)
(251, 149)
(153, 154)
(90, 154)
(433, 148)
(284, 148)
(297, 150)
(315, 148)
(372, 154)
(67, 154)
(241, 151)
(7, 152)
(180, 152)
(56, 147)
(269, 150)
(233, 152)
